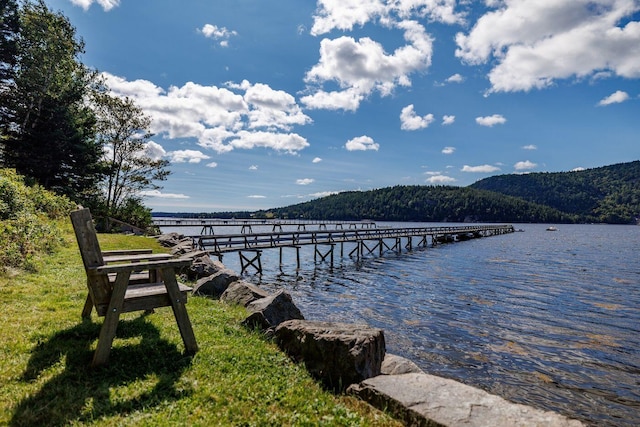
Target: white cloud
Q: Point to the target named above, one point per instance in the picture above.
(347, 14)
(316, 160)
(256, 196)
(534, 43)
(490, 121)
(154, 150)
(440, 179)
(362, 67)
(304, 181)
(456, 78)
(160, 195)
(253, 167)
(530, 147)
(215, 32)
(411, 121)
(323, 194)
(524, 165)
(448, 150)
(578, 169)
(615, 98)
(219, 118)
(448, 120)
(362, 143)
(480, 169)
(187, 156)
(212, 165)
(107, 5)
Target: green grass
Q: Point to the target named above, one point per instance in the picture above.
(237, 378)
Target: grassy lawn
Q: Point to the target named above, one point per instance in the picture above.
(237, 378)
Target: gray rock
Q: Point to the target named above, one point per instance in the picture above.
(396, 365)
(182, 247)
(269, 312)
(203, 266)
(242, 293)
(427, 400)
(215, 284)
(169, 240)
(337, 354)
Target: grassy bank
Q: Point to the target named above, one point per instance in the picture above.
(237, 378)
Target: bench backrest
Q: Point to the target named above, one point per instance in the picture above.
(99, 287)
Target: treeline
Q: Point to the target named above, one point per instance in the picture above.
(609, 194)
(423, 204)
(60, 125)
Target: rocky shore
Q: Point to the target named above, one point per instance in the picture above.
(352, 358)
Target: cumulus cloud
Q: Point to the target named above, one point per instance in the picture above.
(107, 5)
(480, 169)
(535, 43)
(218, 33)
(212, 165)
(362, 143)
(615, 98)
(409, 120)
(448, 150)
(158, 194)
(525, 165)
(530, 147)
(456, 78)
(448, 120)
(256, 196)
(154, 151)
(304, 181)
(238, 116)
(577, 169)
(253, 167)
(346, 14)
(362, 67)
(316, 160)
(440, 179)
(491, 121)
(187, 156)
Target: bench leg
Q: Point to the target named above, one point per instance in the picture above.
(88, 307)
(180, 311)
(110, 324)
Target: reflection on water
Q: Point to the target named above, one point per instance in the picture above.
(547, 319)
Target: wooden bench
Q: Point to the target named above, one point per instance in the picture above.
(126, 281)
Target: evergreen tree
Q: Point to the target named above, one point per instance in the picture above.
(50, 138)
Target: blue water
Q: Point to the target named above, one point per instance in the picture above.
(548, 319)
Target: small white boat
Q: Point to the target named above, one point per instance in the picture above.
(552, 228)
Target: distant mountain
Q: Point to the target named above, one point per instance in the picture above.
(421, 203)
(609, 194)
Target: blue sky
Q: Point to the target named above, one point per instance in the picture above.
(262, 104)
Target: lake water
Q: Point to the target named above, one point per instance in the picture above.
(548, 319)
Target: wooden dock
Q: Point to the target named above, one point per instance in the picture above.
(246, 225)
(374, 241)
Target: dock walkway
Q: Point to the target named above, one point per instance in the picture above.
(368, 241)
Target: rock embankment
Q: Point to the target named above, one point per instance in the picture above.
(353, 358)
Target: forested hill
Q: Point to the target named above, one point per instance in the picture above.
(609, 194)
(421, 203)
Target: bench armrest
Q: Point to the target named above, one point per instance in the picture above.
(136, 266)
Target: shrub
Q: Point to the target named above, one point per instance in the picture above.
(28, 227)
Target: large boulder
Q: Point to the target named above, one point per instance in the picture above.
(337, 354)
(396, 365)
(215, 284)
(203, 266)
(269, 312)
(428, 400)
(169, 240)
(243, 293)
(182, 247)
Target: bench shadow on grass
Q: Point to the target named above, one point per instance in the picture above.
(81, 393)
